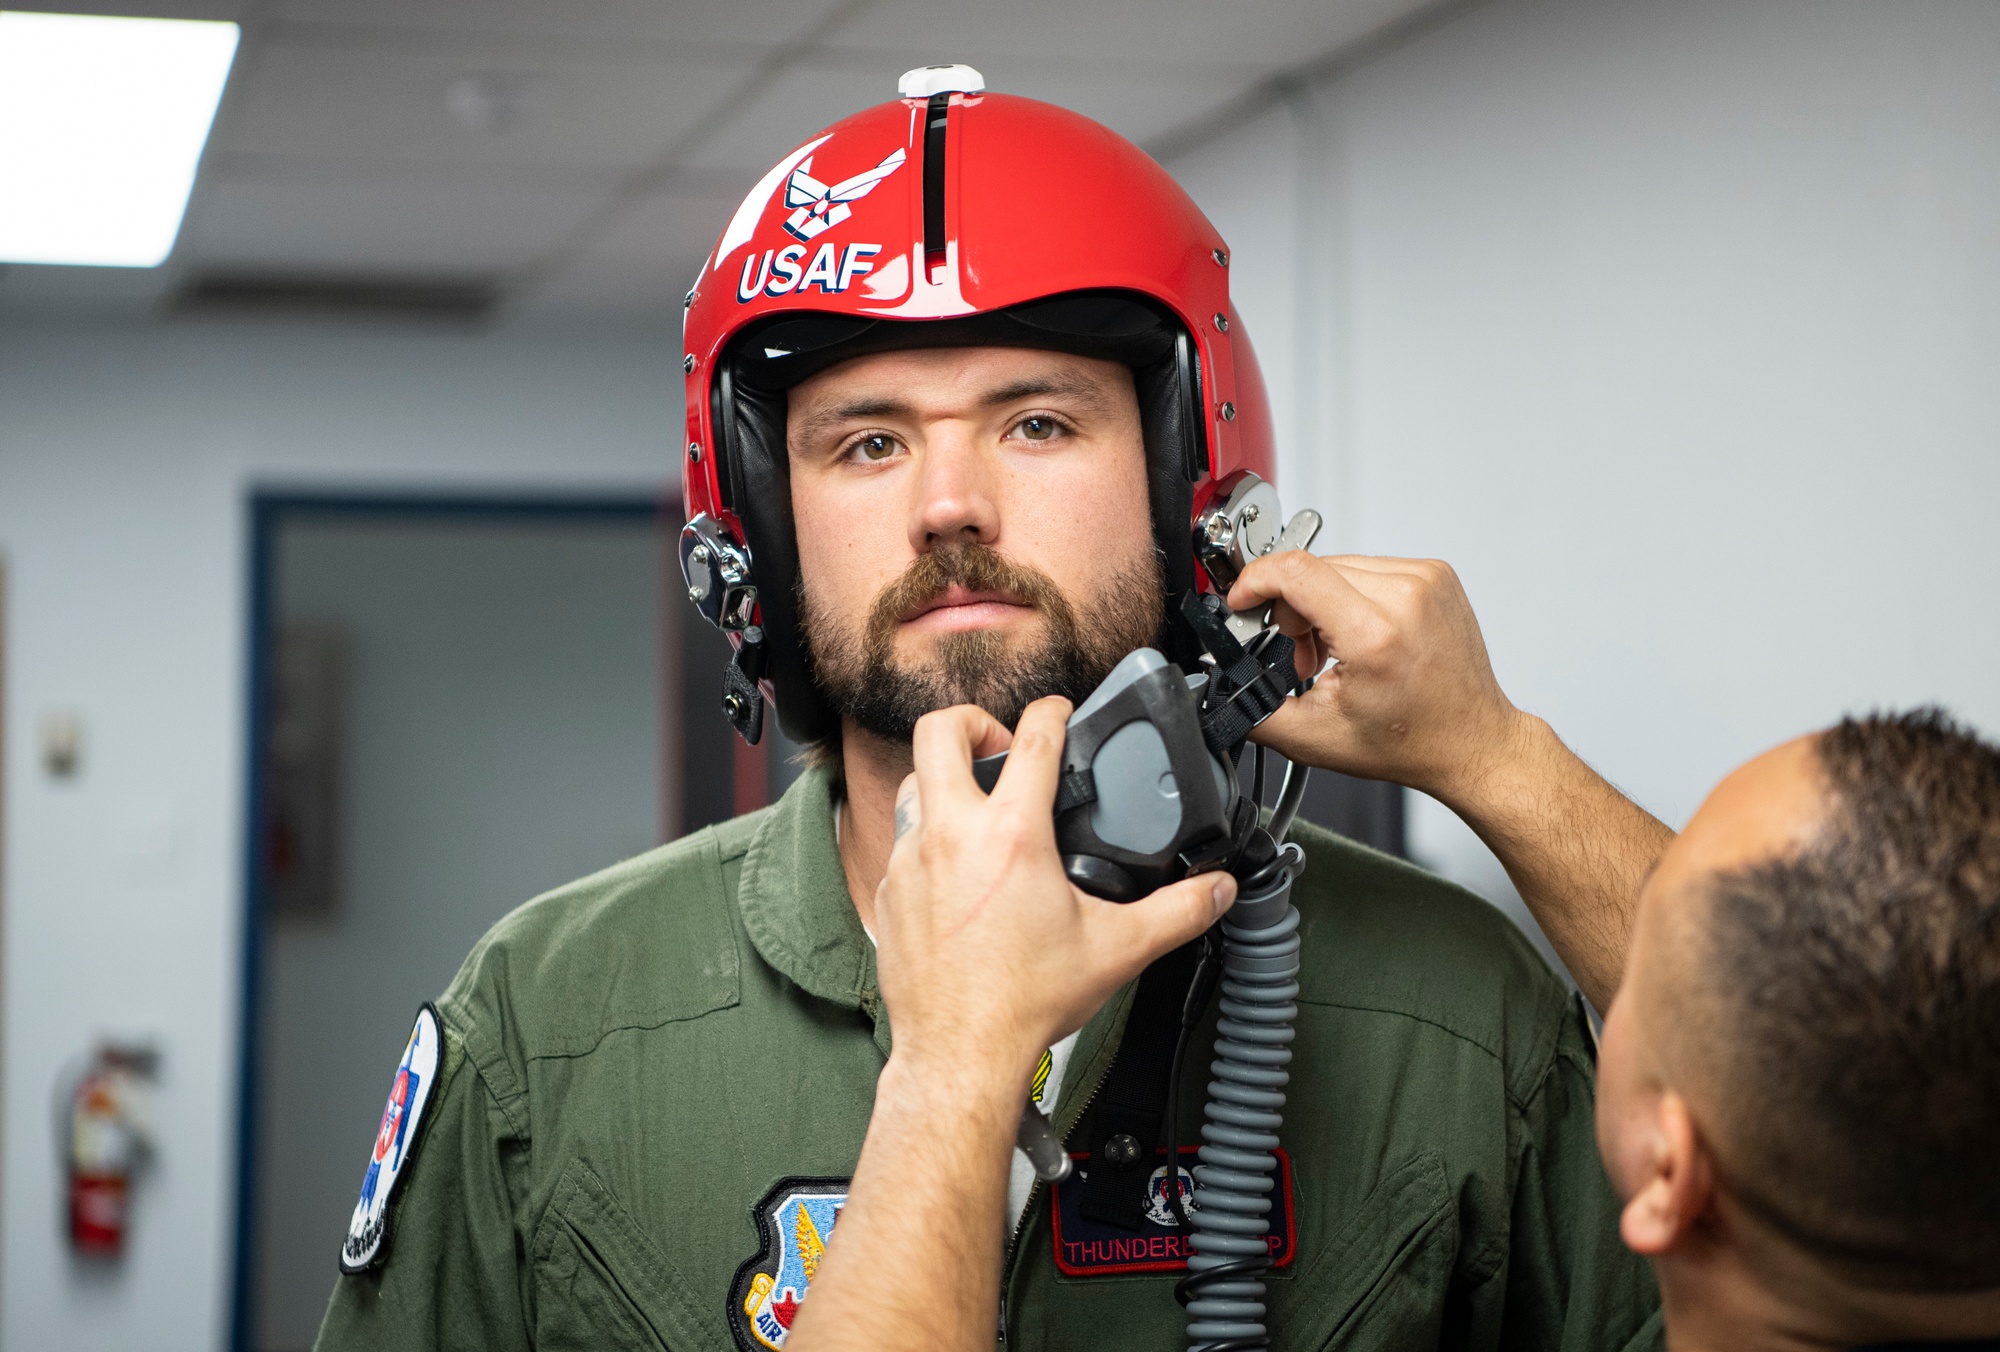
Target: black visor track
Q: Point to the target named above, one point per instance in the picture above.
(936, 118)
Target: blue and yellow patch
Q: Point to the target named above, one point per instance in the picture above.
(794, 1221)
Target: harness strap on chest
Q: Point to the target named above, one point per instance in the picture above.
(1135, 1093)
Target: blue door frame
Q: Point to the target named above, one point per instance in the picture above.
(270, 511)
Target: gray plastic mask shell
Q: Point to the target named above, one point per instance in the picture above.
(1138, 805)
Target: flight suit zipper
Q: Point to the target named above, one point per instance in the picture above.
(1035, 1192)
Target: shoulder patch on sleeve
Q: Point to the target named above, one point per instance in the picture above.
(396, 1141)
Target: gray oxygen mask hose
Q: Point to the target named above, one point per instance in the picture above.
(1231, 1215)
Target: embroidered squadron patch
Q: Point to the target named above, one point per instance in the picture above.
(1088, 1248)
(794, 1221)
(367, 1242)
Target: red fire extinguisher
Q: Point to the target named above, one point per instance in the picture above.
(108, 1140)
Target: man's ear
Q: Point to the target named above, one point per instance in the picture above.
(1679, 1185)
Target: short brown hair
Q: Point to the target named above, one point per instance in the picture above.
(1859, 982)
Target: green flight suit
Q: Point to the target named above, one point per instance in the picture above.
(632, 1061)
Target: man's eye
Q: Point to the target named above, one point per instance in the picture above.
(877, 447)
(1039, 429)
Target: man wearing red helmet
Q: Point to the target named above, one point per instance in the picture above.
(962, 377)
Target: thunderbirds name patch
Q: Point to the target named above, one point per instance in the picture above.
(794, 1222)
(1088, 1248)
(367, 1242)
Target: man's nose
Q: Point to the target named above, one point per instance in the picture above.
(955, 501)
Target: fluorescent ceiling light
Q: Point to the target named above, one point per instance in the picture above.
(102, 122)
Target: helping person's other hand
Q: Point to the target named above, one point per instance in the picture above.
(987, 953)
(1411, 698)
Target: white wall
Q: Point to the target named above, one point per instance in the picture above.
(1672, 325)
(125, 457)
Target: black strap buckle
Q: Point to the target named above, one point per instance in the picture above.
(1076, 788)
(742, 697)
(1246, 688)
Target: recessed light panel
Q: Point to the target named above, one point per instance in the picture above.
(102, 122)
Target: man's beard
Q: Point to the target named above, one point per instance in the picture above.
(859, 673)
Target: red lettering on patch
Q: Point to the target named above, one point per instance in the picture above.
(1086, 1248)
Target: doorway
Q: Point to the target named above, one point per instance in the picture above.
(457, 703)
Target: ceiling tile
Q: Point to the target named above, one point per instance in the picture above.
(43, 291)
(153, 9)
(745, 22)
(1269, 33)
(395, 227)
(651, 253)
(309, 104)
(1137, 100)
(789, 110)
(671, 224)
(597, 280)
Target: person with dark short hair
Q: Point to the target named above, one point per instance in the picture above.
(1799, 1088)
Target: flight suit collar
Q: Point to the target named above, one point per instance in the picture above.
(795, 905)
(796, 909)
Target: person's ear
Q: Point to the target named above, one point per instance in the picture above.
(1679, 1184)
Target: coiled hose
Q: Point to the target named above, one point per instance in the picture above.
(1230, 1217)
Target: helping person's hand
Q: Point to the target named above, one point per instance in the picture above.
(987, 953)
(1411, 698)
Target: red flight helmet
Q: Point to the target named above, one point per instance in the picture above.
(949, 217)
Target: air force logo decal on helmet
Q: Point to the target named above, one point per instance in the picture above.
(820, 208)
(813, 208)
(396, 1139)
(794, 1222)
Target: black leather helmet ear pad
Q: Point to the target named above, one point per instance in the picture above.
(752, 423)
(1170, 419)
(762, 467)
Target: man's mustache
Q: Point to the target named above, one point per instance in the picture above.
(973, 567)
